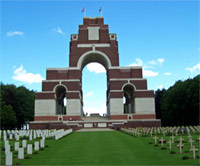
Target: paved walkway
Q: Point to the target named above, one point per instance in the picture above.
(94, 129)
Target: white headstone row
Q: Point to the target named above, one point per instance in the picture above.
(61, 133)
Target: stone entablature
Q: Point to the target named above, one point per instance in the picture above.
(94, 43)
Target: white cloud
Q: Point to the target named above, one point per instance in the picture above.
(58, 30)
(167, 74)
(102, 110)
(12, 33)
(160, 87)
(152, 62)
(149, 73)
(96, 67)
(20, 74)
(194, 69)
(161, 60)
(138, 62)
(88, 94)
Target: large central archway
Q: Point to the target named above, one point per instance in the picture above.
(95, 58)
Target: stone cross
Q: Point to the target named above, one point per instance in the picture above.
(172, 137)
(191, 141)
(180, 146)
(170, 144)
(21, 153)
(155, 138)
(181, 140)
(162, 140)
(189, 136)
(151, 132)
(193, 149)
(29, 149)
(198, 140)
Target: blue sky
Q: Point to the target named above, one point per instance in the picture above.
(162, 36)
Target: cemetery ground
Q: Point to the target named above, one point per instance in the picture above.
(107, 148)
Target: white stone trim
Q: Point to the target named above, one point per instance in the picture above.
(54, 89)
(52, 68)
(145, 105)
(88, 53)
(127, 79)
(116, 106)
(116, 90)
(93, 18)
(46, 107)
(73, 107)
(93, 33)
(126, 67)
(70, 80)
(73, 91)
(129, 84)
(93, 45)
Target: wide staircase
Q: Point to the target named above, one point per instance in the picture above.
(94, 117)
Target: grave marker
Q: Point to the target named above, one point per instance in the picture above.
(29, 149)
(180, 146)
(162, 140)
(36, 145)
(193, 149)
(172, 137)
(16, 146)
(9, 158)
(155, 138)
(170, 144)
(24, 143)
(21, 153)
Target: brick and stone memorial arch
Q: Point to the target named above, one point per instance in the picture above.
(94, 43)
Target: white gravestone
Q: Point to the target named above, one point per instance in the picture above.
(30, 137)
(21, 153)
(7, 148)
(42, 143)
(29, 149)
(9, 158)
(24, 143)
(10, 136)
(16, 146)
(36, 145)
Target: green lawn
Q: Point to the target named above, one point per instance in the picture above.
(104, 148)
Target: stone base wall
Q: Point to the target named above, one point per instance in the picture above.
(109, 124)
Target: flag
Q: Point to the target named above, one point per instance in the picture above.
(83, 9)
(100, 9)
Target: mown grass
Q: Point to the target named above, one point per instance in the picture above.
(104, 148)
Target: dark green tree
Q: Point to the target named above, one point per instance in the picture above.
(179, 105)
(158, 98)
(21, 100)
(8, 117)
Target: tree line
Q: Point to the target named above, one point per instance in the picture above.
(17, 106)
(179, 105)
